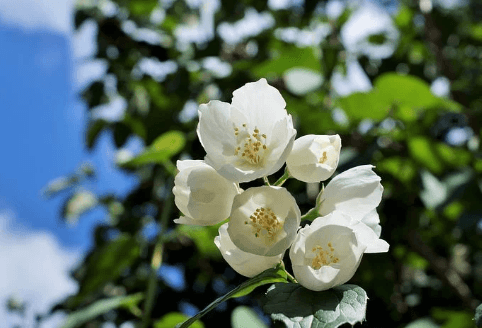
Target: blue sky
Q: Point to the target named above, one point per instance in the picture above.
(42, 121)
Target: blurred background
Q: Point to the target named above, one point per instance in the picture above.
(98, 99)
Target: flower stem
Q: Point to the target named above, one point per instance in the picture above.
(283, 178)
(288, 275)
(266, 181)
(156, 262)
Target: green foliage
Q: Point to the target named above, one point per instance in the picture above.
(162, 149)
(431, 203)
(84, 316)
(297, 306)
(106, 264)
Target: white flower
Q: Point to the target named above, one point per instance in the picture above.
(357, 192)
(264, 220)
(249, 138)
(314, 158)
(246, 264)
(326, 253)
(201, 194)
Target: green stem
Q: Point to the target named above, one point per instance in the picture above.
(266, 181)
(288, 275)
(268, 276)
(156, 262)
(283, 178)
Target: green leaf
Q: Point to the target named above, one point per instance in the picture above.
(405, 90)
(244, 317)
(399, 167)
(453, 319)
(85, 315)
(407, 95)
(203, 237)
(287, 58)
(94, 130)
(107, 264)
(423, 152)
(161, 150)
(359, 106)
(478, 316)
(299, 307)
(172, 319)
(273, 275)
(142, 7)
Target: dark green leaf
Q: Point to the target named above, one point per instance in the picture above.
(299, 307)
(94, 130)
(107, 264)
(89, 313)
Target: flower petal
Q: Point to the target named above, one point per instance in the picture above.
(356, 192)
(246, 264)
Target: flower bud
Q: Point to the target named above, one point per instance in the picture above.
(314, 158)
(264, 220)
(326, 253)
(201, 194)
(246, 264)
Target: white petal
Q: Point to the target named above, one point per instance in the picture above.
(246, 264)
(373, 221)
(262, 103)
(215, 131)
(356, 192)
(368, 237)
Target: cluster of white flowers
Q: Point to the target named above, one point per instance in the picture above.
(252, 138)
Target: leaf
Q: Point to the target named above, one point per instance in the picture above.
(85, 315)
(94, 130)
(453, 318)
(203, 237)
(287, 58)
(107, 264)
(478, 316)
(408, 94)
(299, 307)
(244, 317)
(422, 150)
(142, 7)
(162, 149)
(171, 319)
(364, 105)
(273, 275)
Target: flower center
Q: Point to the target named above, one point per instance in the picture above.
(323, 257)
(265, 222)
(250, 146)
(323, 158)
